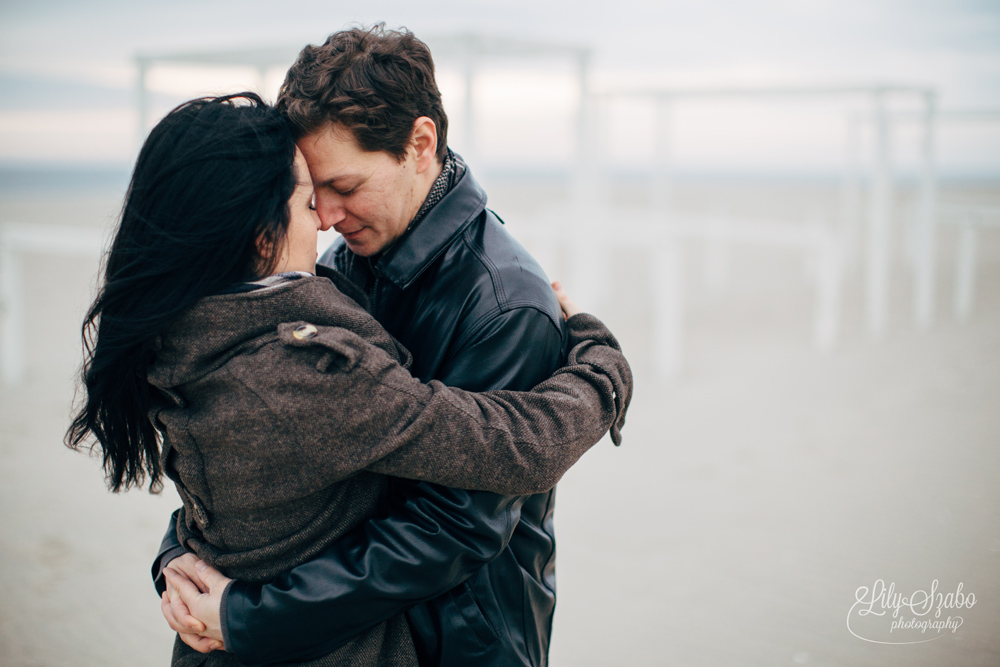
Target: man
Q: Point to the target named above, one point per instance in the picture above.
(473, 571)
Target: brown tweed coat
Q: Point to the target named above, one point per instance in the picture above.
(279, 435)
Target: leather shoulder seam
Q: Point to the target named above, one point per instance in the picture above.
(488, 264)
(494, 313)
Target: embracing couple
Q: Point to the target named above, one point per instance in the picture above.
(344, 502)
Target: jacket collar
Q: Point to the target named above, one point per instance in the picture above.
(407, 258)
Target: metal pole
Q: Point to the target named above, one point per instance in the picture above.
(965, 268)
(262, 82)
(587, 140)
(661, 159)
(12, 311)
(543, 249)
(668, 310)
(879, 217)
(923, 293)
(589, 256)
(850, 211)
(469, 148)
(826, 327)
(590, 252)
(717, 253)
(142, 98)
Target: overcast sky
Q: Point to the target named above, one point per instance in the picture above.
(62, 57)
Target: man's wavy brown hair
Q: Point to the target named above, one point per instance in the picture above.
(373, 81)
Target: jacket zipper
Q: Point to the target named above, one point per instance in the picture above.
(373, 297)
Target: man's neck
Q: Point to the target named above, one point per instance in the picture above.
(438, 189)
(424, 184)
(432, 175)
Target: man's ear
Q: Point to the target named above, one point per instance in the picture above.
(423, 141)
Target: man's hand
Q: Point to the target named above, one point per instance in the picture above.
(567, 304)
(178, 616)
(192, 601)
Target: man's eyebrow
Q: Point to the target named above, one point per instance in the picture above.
(338, 177)
(342, 177)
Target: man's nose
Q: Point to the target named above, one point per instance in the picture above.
(330, 211)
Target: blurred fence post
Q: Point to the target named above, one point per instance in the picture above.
(829, 272)
(850, 212)
(717, 247)
(469, 149)
(582, 126)
(879, 220)
(262, 81)
(589, 272)
(588, 137)
(591, 256)
(965, 267)
(662, 177)
(16, 238)
(668, 307)
(925, 232)
(970, 219)
(141, 98)
(12, 311)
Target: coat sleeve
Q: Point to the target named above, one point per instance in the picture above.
(535, 354)
(433, 538)
(514, 443)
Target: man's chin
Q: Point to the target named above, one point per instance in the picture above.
(361, 248)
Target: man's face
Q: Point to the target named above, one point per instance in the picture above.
(369, 197)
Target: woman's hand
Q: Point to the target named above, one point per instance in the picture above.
(178, 616)
(567, 304)
(194, 591)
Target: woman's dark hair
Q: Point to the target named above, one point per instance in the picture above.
(206, 208)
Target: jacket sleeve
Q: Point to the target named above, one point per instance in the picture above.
(170, 548)
(502, 441)
(432, 540)
(434, 537)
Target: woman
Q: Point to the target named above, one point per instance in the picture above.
(275, 403)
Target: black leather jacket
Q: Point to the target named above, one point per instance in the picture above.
(473, 571)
